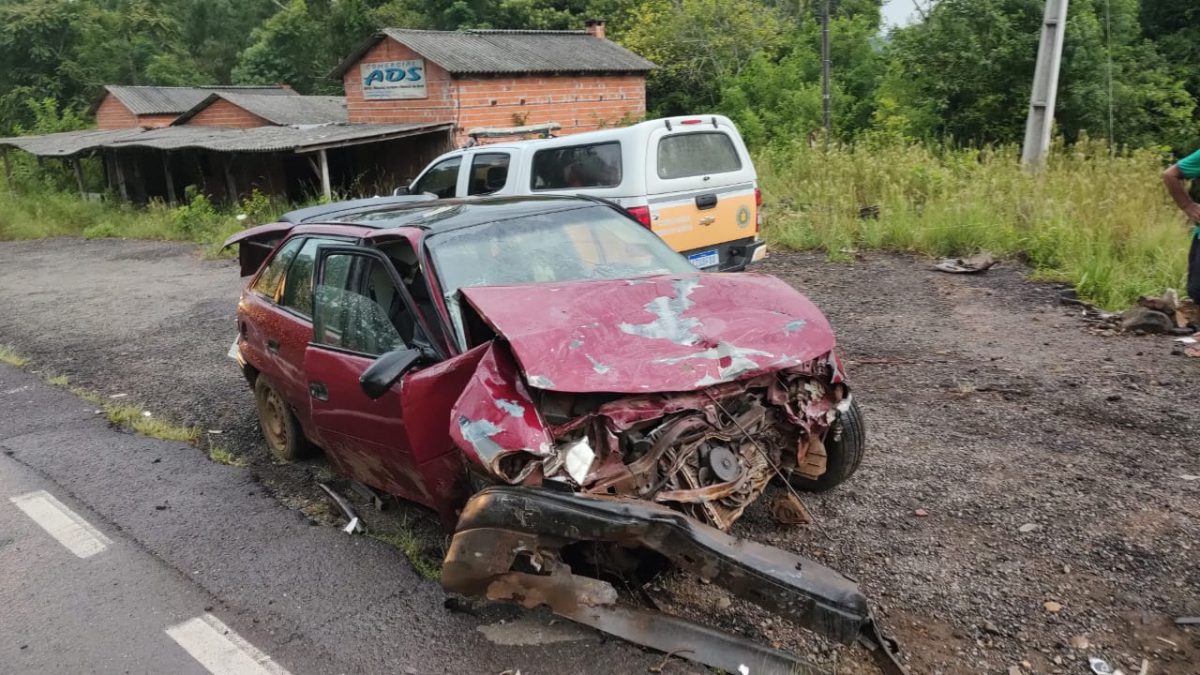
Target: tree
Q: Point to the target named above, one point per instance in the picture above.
(699, 45)
(965, 73)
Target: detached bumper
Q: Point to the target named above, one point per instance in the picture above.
(500, 523)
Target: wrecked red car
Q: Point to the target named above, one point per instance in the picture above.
(567, 392)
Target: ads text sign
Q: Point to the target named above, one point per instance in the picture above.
(394, 79)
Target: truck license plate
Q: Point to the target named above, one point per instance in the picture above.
(705, 259)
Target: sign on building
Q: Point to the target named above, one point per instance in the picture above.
(394, 79)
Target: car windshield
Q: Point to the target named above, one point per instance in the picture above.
(588, 242)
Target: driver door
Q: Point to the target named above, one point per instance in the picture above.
(361, 311)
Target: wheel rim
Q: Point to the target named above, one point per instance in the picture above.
(273, 413)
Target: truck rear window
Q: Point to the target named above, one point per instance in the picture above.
(696, 154)
(595, 165)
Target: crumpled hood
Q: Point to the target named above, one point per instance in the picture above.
(655, 334)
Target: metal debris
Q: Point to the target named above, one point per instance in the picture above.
(508, 546)
(980, 262)
(789, 510)
(354, 525)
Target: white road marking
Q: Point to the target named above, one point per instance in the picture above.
(62, 523)
(220, 650)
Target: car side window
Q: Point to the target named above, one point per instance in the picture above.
(297, 284)
(358, 307)
(268, 281)
(441, 180)
(489, 173)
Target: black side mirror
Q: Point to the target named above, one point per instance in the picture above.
(383, 373)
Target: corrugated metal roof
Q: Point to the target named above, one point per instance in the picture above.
(68, 143)
(217, 139)
(151, 100)
(280, 110)
(505, 51)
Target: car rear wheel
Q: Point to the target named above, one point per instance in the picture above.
(279, 425)
(844, 447)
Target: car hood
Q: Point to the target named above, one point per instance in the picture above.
(653, 334)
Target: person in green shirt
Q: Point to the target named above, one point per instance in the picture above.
(1186, 169)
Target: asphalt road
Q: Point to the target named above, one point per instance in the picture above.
(189, 567)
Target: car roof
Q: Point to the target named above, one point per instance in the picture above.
(312, 214)
(446, 214)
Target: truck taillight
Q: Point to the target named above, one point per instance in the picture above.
(640, 214)
(757, 210)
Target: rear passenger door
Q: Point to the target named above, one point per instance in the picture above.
(279, 326)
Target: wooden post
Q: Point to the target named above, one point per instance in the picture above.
(78, 176)
(121, 186)
(230, 183)
(139, 185)
(7, 170)
(166, 165)
(324, 174)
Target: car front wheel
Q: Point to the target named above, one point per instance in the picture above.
(279, 425)
(844, 446)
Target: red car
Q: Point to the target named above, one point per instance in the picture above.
(566, 391)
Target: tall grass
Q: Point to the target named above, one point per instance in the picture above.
(1101, 223)
(49, 213)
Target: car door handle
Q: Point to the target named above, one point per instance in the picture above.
(318, 391)
(273, 346)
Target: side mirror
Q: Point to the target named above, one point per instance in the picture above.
(401, 191)
(383, 373)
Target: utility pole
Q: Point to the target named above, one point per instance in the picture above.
(1045, 84)
(825, 117)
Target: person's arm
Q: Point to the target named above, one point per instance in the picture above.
(1173, 179)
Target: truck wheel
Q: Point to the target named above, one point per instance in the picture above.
(843, 455)
(279, 426)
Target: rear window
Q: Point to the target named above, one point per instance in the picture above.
(696, 154)
(596, 165)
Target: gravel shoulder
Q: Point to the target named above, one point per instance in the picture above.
(1047, 459)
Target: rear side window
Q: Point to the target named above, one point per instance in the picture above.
(298, 284)
(489, 173)
(268, 281)
(597, 165)
(696, 154)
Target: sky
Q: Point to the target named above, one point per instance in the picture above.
(898, 12)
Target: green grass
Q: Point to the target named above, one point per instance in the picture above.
(134, 418)
(413, 548)
(1101, 223)
(223, 456)
(44, 213)
(11, 357)
(58, 380)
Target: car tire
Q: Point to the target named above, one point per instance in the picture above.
(280, 428)
(842, 455)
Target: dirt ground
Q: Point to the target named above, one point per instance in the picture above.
(1023, 491)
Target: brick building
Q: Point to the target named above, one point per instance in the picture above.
(150, 107)
(495, 78)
